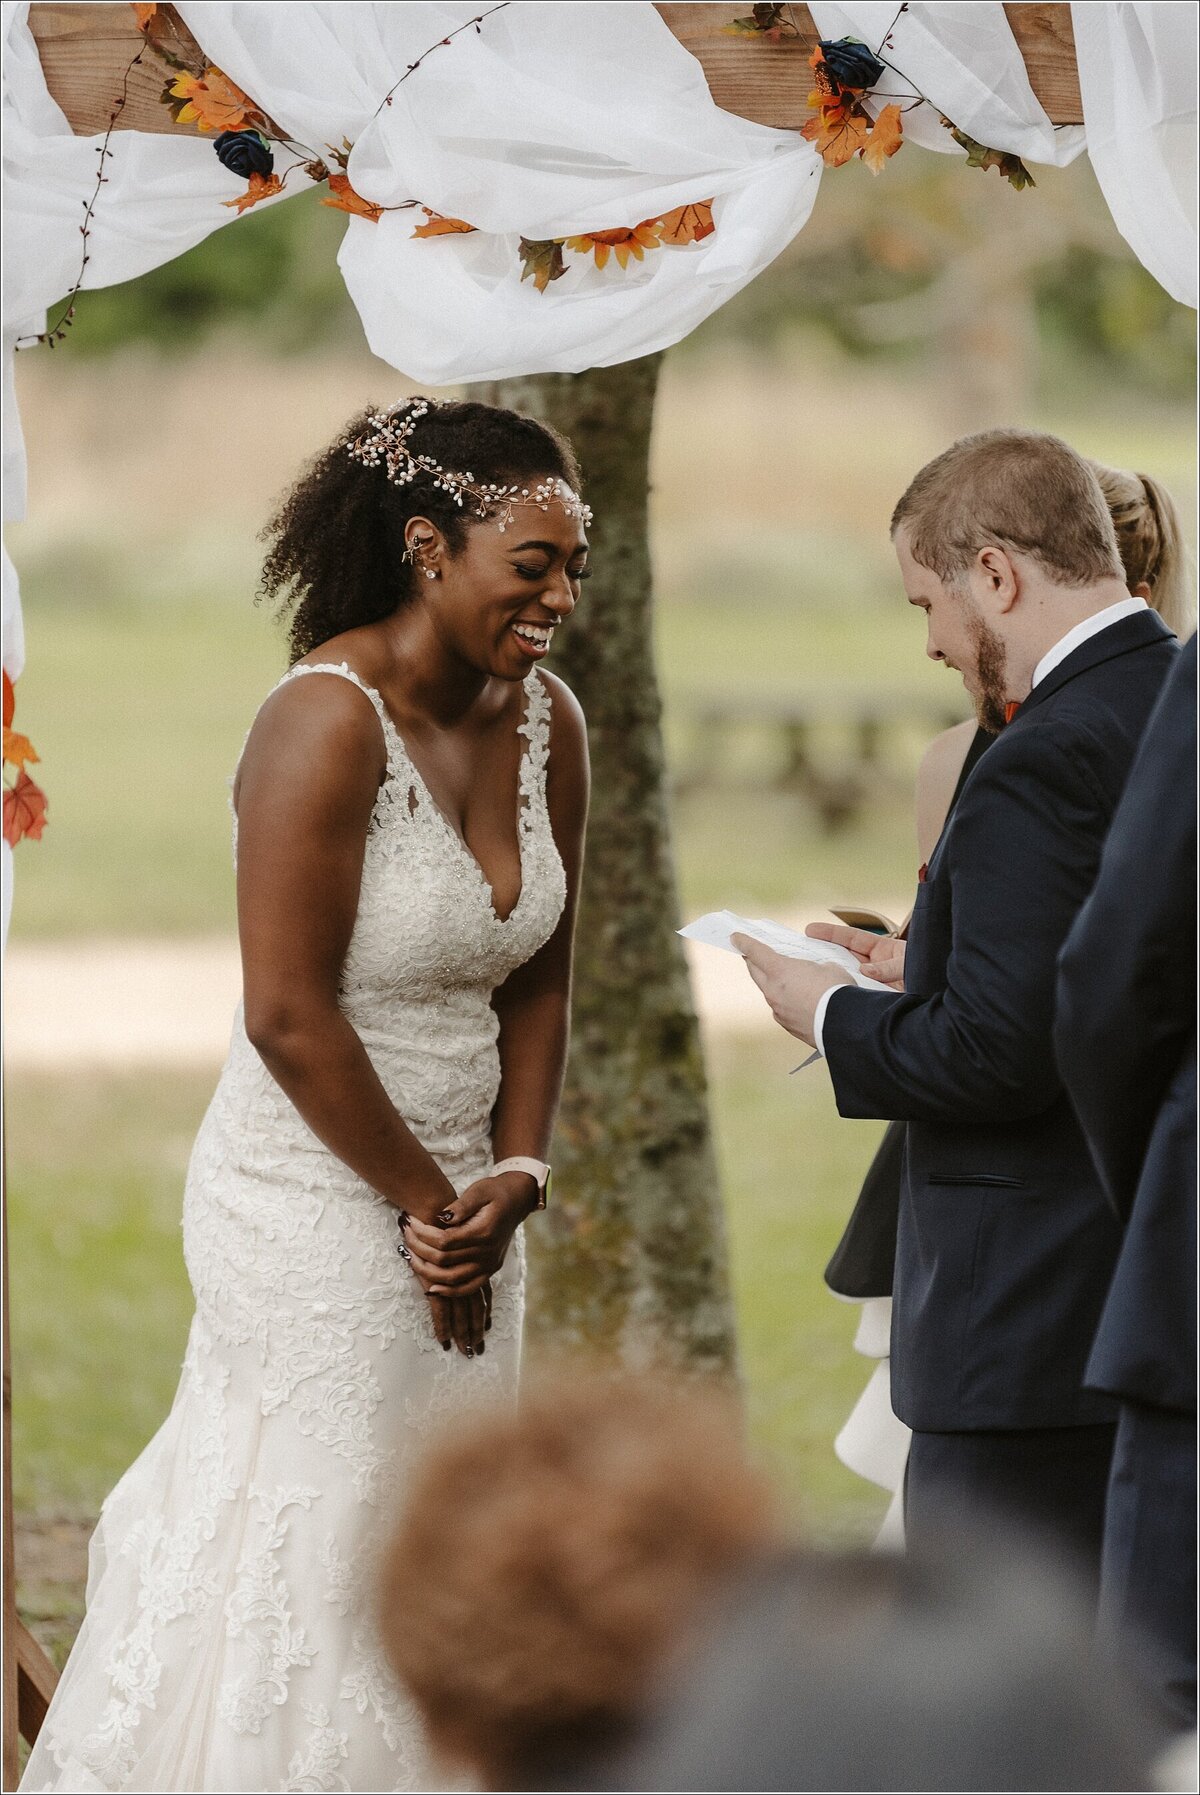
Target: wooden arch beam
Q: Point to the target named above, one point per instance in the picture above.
(85, 49)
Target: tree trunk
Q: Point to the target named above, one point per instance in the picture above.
(629, 1261)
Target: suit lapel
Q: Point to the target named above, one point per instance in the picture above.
(1142, 630)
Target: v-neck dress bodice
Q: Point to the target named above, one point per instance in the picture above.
(229, 1641)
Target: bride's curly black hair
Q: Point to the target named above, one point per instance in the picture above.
(335, 558)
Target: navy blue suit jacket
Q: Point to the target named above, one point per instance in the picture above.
(1006, 1244)
(1126, 1039)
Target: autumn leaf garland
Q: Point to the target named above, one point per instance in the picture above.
(200, 94)
(845, 70)
(24, 800)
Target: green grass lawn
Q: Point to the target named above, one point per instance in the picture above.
(100, 1302)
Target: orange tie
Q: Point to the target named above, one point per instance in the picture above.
(1011, 709)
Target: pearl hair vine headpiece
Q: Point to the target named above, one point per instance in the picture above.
(387, 444)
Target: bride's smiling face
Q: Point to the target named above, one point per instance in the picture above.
(497, 601)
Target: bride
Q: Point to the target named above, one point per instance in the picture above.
(409, 817)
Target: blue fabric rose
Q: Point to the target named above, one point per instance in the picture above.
(851, 64)
(244, 153)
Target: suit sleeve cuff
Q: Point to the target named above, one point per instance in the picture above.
(823, 1006)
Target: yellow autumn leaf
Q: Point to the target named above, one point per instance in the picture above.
(211, 102)
(18, 749)
(621, 243)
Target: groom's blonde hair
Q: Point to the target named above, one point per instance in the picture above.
(1019, 490)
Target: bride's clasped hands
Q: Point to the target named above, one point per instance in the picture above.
(455, 1257)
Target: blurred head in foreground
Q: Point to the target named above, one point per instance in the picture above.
(550, 1567)
(967, 1668)
(1150, 539)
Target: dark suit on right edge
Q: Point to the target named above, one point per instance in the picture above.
(1006, 1244)
(1126, 1039)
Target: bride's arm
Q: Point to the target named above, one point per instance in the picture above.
(308, 781)
(534, 1008)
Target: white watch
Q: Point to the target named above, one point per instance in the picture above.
(537, 1169)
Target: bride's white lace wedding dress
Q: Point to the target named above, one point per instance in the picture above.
(229, 1640)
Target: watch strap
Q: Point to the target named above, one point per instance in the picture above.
(537, 1169)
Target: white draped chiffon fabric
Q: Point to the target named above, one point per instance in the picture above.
(229, 1642)
(1137, 76)
(873, 1442)
(963, 59)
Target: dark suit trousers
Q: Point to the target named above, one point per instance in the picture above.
(1049, 1482)
(1148, 1585)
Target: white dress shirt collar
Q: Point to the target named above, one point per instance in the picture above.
(1083, 632)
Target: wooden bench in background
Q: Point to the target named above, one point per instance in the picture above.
(872, 733)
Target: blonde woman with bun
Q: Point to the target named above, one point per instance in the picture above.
(873, 1442)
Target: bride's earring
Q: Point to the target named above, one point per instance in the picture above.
(412, 554)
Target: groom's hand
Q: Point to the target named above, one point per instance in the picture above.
(793, 988)
(880, 956)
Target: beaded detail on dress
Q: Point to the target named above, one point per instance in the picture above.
(229, 1640)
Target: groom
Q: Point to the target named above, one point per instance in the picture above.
(1006, 1244)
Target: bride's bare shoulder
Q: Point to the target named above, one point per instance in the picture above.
(317, 731)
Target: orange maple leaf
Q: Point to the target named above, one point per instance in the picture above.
(839, 133)
(212, 102)
(346, 200)
(437, 226)
(884, 140)
(687, 224)
(10, 702)
(260, 187)
(24, 810)
(144, 15)
(18, 749)
(623, 243)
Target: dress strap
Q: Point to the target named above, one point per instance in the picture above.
(536, 730)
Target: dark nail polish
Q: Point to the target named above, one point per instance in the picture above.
(479, 1349)
(446, 1217)
(470, 1353)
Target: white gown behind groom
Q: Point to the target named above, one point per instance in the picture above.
(228, 1642)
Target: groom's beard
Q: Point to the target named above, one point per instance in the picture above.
(991, 665)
